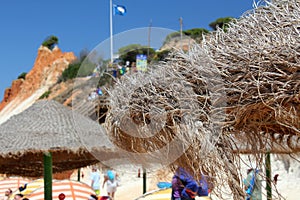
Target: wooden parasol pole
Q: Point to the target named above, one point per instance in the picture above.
(144, 181)
(78, 174)
(47, 176)
(268, 176)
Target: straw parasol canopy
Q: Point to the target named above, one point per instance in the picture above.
(48, 126)
(236, 92)
(258, 58)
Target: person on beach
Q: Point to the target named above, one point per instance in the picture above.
(111, 183)
(7, 194)
(95, 180)
(185, 187)
(275, 179)
(253, 185)
(94, 197)
(61, 196)
(18, 197)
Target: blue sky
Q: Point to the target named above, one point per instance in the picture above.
(84, 24)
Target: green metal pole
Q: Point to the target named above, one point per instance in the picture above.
(268, 176)
(78, 175)
(47, 176)
(144, 181)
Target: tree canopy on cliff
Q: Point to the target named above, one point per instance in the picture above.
(22, 75)
(197, 33)
(222, 23)
(129, 52)
(194, 33)
(83, 66)
(50, 42)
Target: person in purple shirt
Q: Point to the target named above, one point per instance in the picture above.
(177, 188)
(185, 187)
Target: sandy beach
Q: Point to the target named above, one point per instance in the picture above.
(131, 187)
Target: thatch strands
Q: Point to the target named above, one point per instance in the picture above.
(172, 114)
(148, 113)
(259, 57)
(237, 92)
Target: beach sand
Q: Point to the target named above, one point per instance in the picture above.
(132, 187)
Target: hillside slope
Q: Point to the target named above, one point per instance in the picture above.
(47, 68)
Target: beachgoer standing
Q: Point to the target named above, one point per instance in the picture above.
(253, 185)
(95, 178)
(111, 183)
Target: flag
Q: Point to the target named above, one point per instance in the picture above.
(119, 10)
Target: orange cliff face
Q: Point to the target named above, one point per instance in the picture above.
(46, 70)
(11, 93)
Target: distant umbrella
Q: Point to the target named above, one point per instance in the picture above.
(73, 190)
(30, 187)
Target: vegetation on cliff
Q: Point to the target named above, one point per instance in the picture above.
(50, 42)
(22, 75)
(222, 23)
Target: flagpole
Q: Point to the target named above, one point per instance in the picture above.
(180, 21)
(149, 32)
(111, 32)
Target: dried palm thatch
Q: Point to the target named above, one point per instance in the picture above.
(48, 126)
(236, 92)
(171, 115)
(259, 59)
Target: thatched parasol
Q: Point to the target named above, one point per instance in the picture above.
(236, 92)
(48, 126)
(48, 137)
